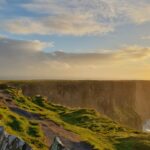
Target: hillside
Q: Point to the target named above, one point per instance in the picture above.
(126, 102)
(30, 117)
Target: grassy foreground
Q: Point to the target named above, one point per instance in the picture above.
(99, 131)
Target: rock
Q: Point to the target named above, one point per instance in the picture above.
(57, 145)
(10, 142)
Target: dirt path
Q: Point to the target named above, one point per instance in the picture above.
(71, 140)
(50, 128)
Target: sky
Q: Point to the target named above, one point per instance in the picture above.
(77, 39)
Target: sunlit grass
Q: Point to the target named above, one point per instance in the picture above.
(99, 131)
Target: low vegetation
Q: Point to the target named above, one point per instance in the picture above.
(99, 131)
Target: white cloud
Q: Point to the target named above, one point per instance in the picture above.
(146, 37)
(77, 24)
(138, 12)
(78, 17)
(101, 10)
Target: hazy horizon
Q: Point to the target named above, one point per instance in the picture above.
(78, 40)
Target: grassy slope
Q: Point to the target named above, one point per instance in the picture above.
(101, 132)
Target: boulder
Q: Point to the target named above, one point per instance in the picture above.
(10, 142)
(58, 145)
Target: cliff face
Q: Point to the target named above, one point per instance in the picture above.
(125, 101)
(38, 121)
(142, 105)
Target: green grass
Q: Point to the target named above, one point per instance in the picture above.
(98, 130)
(33, 131)
(15, 124)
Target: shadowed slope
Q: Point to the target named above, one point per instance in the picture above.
(116, 99)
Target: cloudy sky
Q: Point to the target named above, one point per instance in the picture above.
(75, 39)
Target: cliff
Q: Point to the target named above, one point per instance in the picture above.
(37, 121)
(127, 102)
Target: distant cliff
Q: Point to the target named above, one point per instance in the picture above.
(125, 101)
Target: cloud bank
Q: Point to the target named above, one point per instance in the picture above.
(26, 59)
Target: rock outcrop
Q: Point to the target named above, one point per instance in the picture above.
(58, 145)
(10, 142)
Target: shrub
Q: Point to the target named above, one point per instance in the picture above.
(15, 124)
(33, 131)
